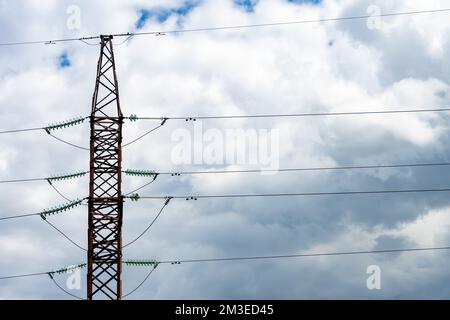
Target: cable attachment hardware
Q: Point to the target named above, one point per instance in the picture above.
(140, 263)
(65, 176)
(191, 119)
(64, 124)
(133, 118)
(142, 173)
(134, 197)
(60, 208)
(167, 200)
(191, 198)
(66, 270)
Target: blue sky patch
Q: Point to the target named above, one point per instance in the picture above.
(306, 1)
(64, 61)
(248, 5)
(144, 15)
(162, 14)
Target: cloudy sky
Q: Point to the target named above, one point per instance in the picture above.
(392, 63)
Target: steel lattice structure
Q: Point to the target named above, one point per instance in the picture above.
(105, 198)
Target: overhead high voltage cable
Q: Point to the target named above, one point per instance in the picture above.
(79, 120)
(142, 282)
(55, 272)
(49, 179)
(387, 166)
(52, 211)
(145, 134)
(53, 127)
(283, 23)
(21, 130)
(68, 143)
(65, 235)
(52, 41)
(48, 212)
(287, 256)
(64, 290)
(154, 174)
(136, 197)
(304, 255)
(289, 115)
(128, 35)
(150, 225)
(154, 264)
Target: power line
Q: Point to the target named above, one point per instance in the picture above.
(304, 255)
(21, 130)
(252, 258)
(232, 27)
(49, 223)
(64, 235)
(174, 173)
(49, 179)
(62, 194)
(53, 41)
(51, 211)
(297, 169)
(59, 192)
(20, 216)
(124, 41)
(48, 132)
(195, 197)
(64, 290)
(149, 226)
(40, 274)
(142, 186)
(143, 135)
(25, 275)
(89, 44)
(141, 283)
(285, 23)
(193, 118)
(68, 143)
(23, 180)
(293, 115)
(41, 179)
(49, 128)
(406, 165)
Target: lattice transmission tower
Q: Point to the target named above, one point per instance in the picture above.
(105, 197)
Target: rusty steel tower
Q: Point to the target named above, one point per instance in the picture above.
(105, 197)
